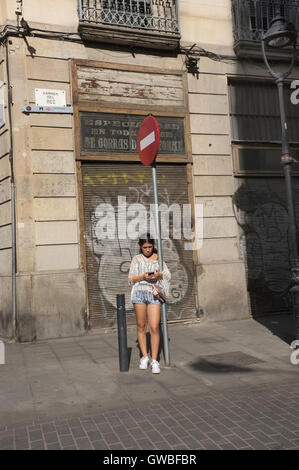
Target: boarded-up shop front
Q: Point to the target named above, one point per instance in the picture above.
(117, 193)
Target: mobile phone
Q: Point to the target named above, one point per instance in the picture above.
(150, 273)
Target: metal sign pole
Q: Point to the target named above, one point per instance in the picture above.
(160, 257)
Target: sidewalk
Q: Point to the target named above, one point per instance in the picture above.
(68, 382)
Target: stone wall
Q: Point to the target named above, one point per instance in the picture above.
(51, 279)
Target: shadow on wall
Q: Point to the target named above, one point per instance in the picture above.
(261, 213)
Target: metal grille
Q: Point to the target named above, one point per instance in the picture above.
(157, 15)
(108, 259)
(255, 116)
(251, 18)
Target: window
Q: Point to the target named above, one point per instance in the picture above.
(261, 13)
(146, 23)
(157, 15)
(132, 13)
(256, 128)
(251, 18)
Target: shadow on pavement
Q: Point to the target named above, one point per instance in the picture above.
(281, 325)
(235, 361)
(213, 367)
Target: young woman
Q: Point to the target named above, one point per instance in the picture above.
(146, 279)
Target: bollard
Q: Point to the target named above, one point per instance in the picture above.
(2, 353)
(122, 333)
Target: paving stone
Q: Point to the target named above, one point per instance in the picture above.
(197, 434)
(128, 441)
(84, 421)
(229, 446)
(210, 445)
(63, 429)
(89, 426)
(281, 440)
(172, 439)
(169, 422)
(120, 430)
(35, 435)
(38, 445)
(99, 419)
(214, 435)
(180, 431)
(114, 421)
(262, 437)
(7, 442)
(223, 430)
(78, 432)
(74, 422)
(99, 445)
(20, 433)
(237, 441)
(94, 435)
(162, 429)
(54, 446)
(137, 433)
(204, 427)
(180, 447)
(51, 437)
(19, 446)
(145, 444)
(66, 440)
(191, 442)
(105, 428)
(7, 435)
(111, 438)
(137, 415)
(154, 436)
(288, 433)
(240, 432)
(47, 428)
(163, 446)
(83, 443)
(257, 445)
(34, 428)
(117, 446)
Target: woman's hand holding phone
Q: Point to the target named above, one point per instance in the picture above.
(153, 276)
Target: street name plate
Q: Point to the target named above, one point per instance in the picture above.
(44, 97)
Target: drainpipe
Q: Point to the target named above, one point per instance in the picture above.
(178, 14)
(13, 204)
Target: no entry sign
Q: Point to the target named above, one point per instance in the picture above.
(148, 140)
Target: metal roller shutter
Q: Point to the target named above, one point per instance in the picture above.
(107, 187)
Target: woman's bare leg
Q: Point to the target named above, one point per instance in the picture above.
(154, 315)
(140, 311)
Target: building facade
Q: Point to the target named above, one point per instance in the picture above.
(71, 181)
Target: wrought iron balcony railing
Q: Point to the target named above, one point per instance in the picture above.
(251, 18)
(156, 16)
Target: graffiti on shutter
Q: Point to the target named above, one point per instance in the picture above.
(124, 192)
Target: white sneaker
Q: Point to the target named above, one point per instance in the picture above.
(143, 363)
(155, 367)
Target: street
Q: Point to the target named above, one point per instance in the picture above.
(231, 386)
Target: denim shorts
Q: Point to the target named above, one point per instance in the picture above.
(145, 297)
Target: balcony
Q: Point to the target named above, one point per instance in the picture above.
(142, 23)
(251, 18)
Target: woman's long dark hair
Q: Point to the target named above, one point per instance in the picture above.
(146, 238)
